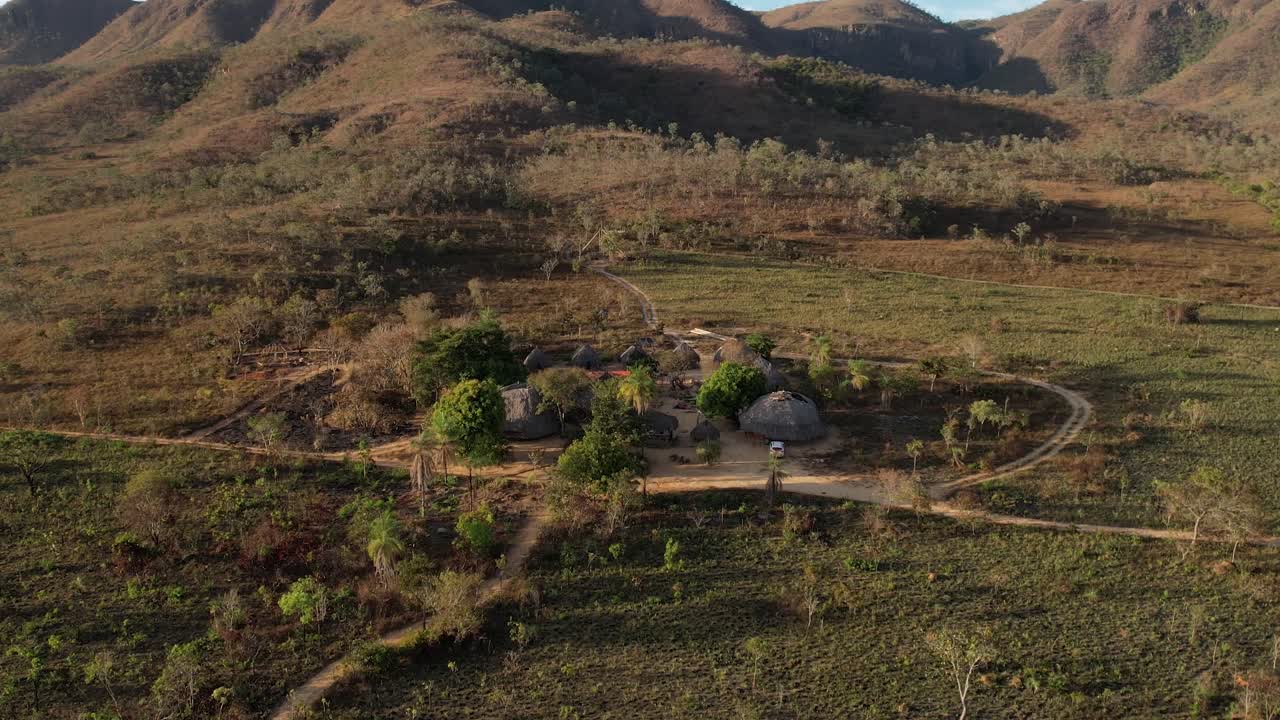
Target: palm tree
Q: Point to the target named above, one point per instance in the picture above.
(385, 546)
(821, 356)
(421, 473)
(859, 375)
(774, 484)
(638, 389)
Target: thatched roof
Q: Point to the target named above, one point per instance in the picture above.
(686, 351)
(524, 422)
(785, 416)
(537, 360)
(587, 357)
(660, 422)
(736, 351)
(704, 431)
(632, 355)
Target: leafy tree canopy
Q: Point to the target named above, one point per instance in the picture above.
(470, 415)
(730, 389)
(479, 351)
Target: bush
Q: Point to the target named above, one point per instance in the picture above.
(148, 506)
(480, 351)
(475, 531)
(307, 600)
(730, 389)
(709, 452)
(596, 458)
(763, 345)
(1182, 313)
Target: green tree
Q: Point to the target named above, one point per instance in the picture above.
(895, 384)
(961, 653)
(454, 601)
(638, 389)
(30, 454)
(612, 416)
(267, 430)
(470, 416)
(763, 345)
(915, 449)
(983, 412)
(385, 546)
(596, 458)
(731, 388)
(1211, 499)
(561, 389)
(480, 351)
(821, 351)
(307, 600)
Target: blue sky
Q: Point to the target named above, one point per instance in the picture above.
(946, 9)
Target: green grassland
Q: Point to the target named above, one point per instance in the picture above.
(1081, 626)
(1119, 351)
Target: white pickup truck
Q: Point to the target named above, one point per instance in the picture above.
(777, 449)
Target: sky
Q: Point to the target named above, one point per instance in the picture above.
(945, 9)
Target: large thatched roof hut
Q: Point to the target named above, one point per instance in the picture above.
(587, 358)
(537, 360)
(524, 422)
(686, 353)
(785, 416)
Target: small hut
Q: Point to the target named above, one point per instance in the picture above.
(659, 428)
(524, 422)
(587, 358)
(783, 415)
(537, 360)
(632, 356)
(688, 355)
(736, 351)
(704, 432)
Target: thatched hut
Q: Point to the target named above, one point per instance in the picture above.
(587, 358)
(784, 416)
(704, 431)
(659, 428)
(524, 422)
(686, 353)
(632, 356)
(736, 351)
(537, 360)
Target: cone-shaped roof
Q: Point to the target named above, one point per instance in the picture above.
(537, 360)
(587, 357)
(704, 431)
(632, 355)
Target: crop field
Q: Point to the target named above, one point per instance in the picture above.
(1168, 398)
(698, 610)
(114, 604)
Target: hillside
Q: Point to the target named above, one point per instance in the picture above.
(37, 31)
(1127, 47)
(888, 37)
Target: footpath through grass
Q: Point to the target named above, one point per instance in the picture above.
(697, 611)
(1137, 369)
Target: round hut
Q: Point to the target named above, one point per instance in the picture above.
(524, 422)
(736, 351)
(632, 356)
(659, 428)
(783, 415)
(704, 432)
(587, 358)
(537, 360)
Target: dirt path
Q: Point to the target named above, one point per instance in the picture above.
(304, 697)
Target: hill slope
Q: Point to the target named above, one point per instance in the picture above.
(888, 37)
(37, 31)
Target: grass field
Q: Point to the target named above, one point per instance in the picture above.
(1120, 352)
(1081, 626)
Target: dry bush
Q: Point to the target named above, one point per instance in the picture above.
(357, 410)
(384, 359)
(1182, 313)
(1085, 473)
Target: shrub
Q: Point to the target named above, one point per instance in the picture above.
(709, 452)
(763, 345)
(731, 388)
(597, 457)
(307, 600)
(148, 506)
(480, 351)
(475, 531)
(454, 600)
(1182, 313)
